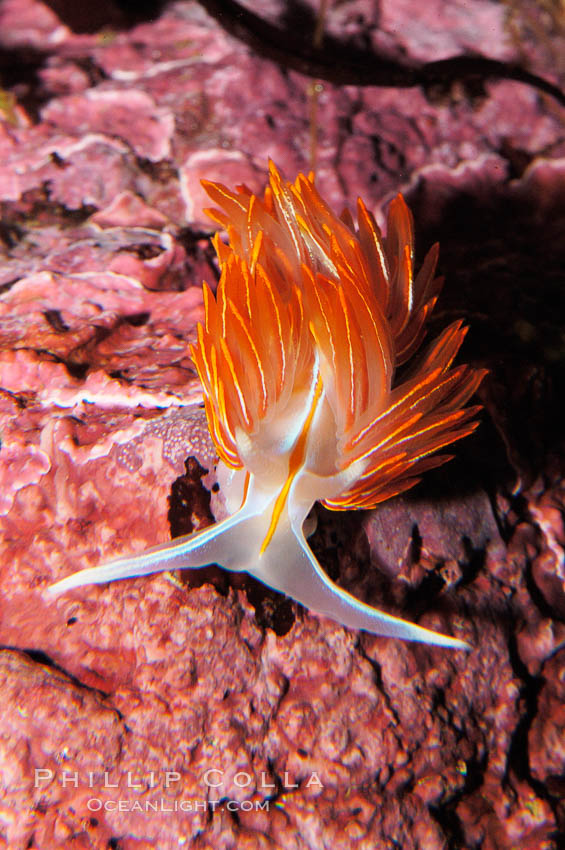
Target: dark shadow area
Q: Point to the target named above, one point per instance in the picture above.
(19, 75)
(105, 14)
(503, 256)
(345, 61)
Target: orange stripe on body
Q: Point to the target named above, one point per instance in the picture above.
(294, 464)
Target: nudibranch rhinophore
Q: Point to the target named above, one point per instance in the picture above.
(297, 358)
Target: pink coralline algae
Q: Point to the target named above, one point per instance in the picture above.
(20, 465)
(103, 251)
(131, 115)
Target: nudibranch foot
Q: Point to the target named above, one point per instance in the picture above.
(287, 564)
(293, 569)
(219, 543)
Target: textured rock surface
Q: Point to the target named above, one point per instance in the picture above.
(131, 692)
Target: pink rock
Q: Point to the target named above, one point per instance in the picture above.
(30, 23)
(128, 114)
(434, 29)
(68, 724)
(129, 210)
(546, 738)
(103, 244)
(20, 465)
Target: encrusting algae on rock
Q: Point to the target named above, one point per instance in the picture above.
(297, 357)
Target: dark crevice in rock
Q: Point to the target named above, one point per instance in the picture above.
(40, 657)
(272, 610)
(518, 755)
(10, 232)
(76, 370)
(56, 321)
(36, 205)
(199, 248)
(137, 319)
(476, 559)
(19, 72)
(189, 511)
(5, 287)
(378, 676)
(189, 501)
(445, 814)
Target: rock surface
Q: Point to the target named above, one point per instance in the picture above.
(201, 710)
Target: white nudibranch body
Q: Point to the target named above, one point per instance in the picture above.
(297, 356)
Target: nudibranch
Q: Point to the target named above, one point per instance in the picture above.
(297, 357)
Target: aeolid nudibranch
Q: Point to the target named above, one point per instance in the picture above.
(297, 358)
